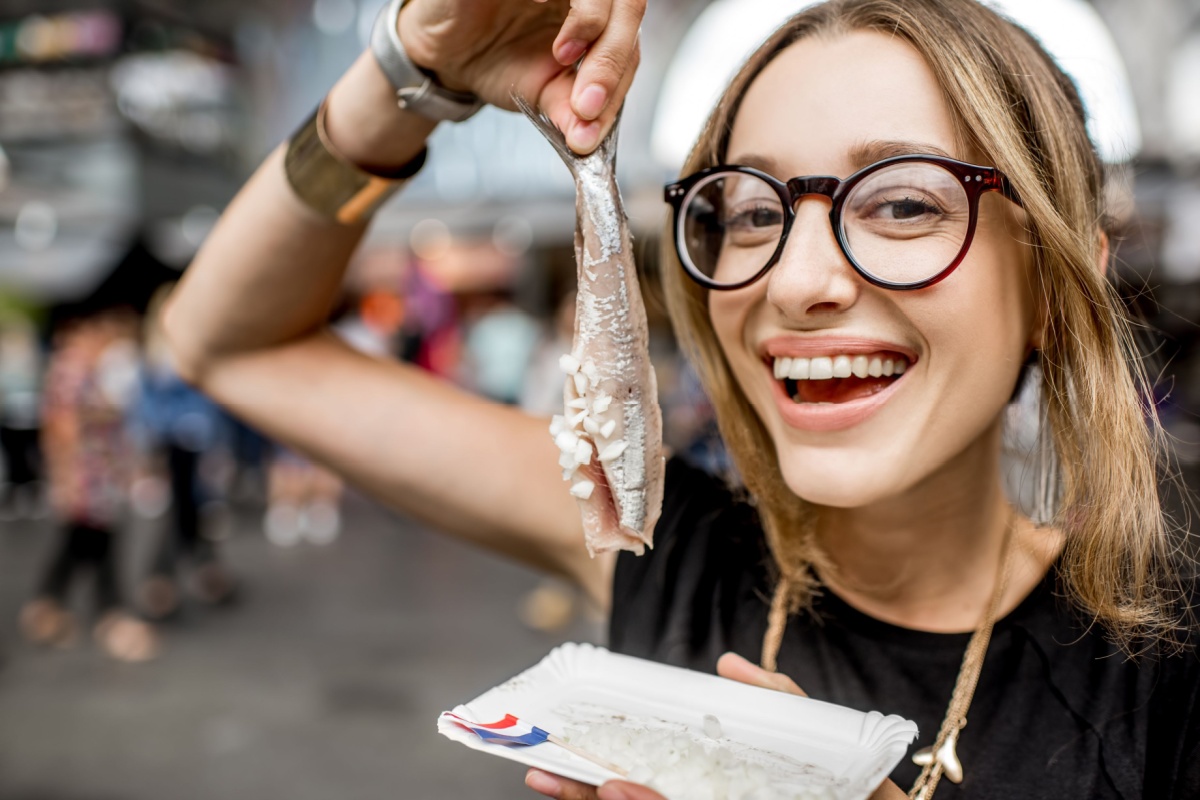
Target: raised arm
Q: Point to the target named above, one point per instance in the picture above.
(247, 322)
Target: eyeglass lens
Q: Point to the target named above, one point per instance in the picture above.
(904, 223)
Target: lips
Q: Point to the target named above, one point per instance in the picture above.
(830, 384)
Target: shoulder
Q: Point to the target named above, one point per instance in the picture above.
(1141, 703)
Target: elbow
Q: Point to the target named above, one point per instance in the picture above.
(187, 352)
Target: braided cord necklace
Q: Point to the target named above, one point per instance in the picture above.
(941, 758)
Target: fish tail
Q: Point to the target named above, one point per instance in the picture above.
(606, 151)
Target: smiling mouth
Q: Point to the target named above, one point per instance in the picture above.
(837, 379)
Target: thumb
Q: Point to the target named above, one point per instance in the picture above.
(736, 668)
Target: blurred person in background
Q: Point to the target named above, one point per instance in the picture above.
(179, 426)
(498, 343)
(303, 501)
(90, 381)
(874, 499)
(20, 391)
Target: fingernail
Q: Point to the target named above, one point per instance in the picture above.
(569, 51)
(591, 101)
(584, 136)
(543, 782)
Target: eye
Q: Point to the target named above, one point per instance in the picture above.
(750, 217)
(905, 209)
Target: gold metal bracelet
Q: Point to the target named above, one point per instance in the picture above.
(330, 183)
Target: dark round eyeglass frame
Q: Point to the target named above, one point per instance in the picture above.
(974, 179)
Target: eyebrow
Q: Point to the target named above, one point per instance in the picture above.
(878, 149)
(860, 155)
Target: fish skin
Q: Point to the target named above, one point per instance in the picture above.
(612, 337)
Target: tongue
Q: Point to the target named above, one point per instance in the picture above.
(840, 390)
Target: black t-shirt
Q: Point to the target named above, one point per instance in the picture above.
(1059, 712)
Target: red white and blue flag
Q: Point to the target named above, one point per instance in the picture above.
(508, 731)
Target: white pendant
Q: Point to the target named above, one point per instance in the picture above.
(946, 756)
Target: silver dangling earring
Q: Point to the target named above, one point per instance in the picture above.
(1047, 495)
(1030, 458)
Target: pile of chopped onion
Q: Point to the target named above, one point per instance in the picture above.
(686, 763)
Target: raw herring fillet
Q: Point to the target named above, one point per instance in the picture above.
(610, 435)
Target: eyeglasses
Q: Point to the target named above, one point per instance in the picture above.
(902, 223)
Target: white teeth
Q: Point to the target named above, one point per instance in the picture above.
(558, 424)
(578, 404)
(606, 430)
(566, 460)
(576, 420)
(835, 366)
(583, 490)
(591, 426)
(583, 452)
(602, 403)
(581, 383)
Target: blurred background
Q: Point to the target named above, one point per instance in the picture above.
(298, 639)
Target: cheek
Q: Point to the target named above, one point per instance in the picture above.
(979, 325)
(727, 311)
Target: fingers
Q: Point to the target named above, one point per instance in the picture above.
(736, 668)
(607, 30)
(583, 25)
(559, 787)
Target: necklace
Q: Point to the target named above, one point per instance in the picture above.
(941, 758)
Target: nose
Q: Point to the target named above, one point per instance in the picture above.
(812, 275)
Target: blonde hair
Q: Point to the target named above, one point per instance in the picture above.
(1016, 108)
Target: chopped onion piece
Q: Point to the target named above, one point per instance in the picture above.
(614, 450)
(568, 363)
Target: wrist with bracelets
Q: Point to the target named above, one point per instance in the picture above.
(331, 184)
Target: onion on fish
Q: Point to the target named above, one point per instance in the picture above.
(610, 395)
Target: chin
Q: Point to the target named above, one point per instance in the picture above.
(838, 480)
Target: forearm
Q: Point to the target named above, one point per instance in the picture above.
(271, 268)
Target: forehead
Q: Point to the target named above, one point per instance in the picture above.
(825, 99)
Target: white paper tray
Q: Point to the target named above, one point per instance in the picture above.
(858, 749)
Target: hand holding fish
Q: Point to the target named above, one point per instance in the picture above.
(494, 48)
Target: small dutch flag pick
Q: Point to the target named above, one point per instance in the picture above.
(511, 731)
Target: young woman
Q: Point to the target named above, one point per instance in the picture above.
(871, 555)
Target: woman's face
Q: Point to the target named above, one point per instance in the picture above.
(820, 108)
